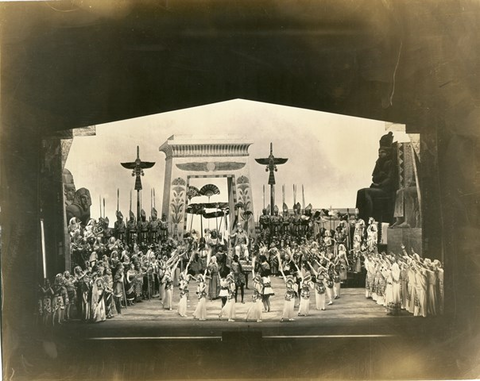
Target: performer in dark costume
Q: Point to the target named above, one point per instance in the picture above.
(119, 227)
(154, 227)
(143, 229)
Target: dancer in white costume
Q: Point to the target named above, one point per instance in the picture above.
(305, 285)
(201, 309)
(229, 307)
(255, 310)
(320, 288)
(184, 290)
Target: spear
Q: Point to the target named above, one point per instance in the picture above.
(154, 197)
(283, 194)
(100, 204)
(263, 196)
(130, 201)
(118, 199)
(303, 197)
(294, 194)
(104, 208)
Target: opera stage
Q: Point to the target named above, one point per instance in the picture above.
(353, 338)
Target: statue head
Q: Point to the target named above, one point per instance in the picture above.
(143, 215)
(68, 186)
(386, 140)
(82, 198)
(154, 214)
(119, 215)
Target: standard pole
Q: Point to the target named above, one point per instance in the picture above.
(138, 205)
(44, 254)
(272, 199)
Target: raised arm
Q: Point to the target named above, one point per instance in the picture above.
(313, 270)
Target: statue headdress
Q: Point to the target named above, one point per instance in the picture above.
(386, 141)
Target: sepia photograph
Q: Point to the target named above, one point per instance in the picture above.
(258, 189)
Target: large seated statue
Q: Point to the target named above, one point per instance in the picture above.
(80, 207)
(378, 200)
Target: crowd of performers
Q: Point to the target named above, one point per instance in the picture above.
(112, 273)
(405, 282)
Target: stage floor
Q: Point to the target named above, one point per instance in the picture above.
(351, 304)
(352, 339)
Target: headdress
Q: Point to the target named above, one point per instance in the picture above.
(119, 215)
(386, 142)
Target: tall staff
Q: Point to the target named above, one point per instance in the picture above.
(294, 195)
(303, 198)
(271, 162)
(263, 196)
(137, 168)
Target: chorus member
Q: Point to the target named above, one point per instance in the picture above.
(255, 310)
(290, 291)
(200, 312)
(305, 287)
(184, 280)
(214, 281)
(119, 287)
(60, 299)
(320, 288)
(229, 308)
(239, 276)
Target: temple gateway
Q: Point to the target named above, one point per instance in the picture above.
(189, 157)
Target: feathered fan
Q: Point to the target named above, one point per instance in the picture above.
(193, 192)
(209, 190)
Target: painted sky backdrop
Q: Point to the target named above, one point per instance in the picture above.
(331, 155)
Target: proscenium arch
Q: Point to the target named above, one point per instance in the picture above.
(401, 61)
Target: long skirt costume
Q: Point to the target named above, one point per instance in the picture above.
(421, 295)
(369, 279)
(98, 300)
(214, 283)
(200, 312)
(167, 303)
(380, 288)
(320, 290)
(411, 290)
(337, 285)
(255, 310)
(395, 303)
(304, 308)
(343, 269)
(228, 309)
(403, 288)
(329, 289)
(440, 291)
(289, 304)
(388, 296)
(130, 280)
(432, 293)
(182, 304)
